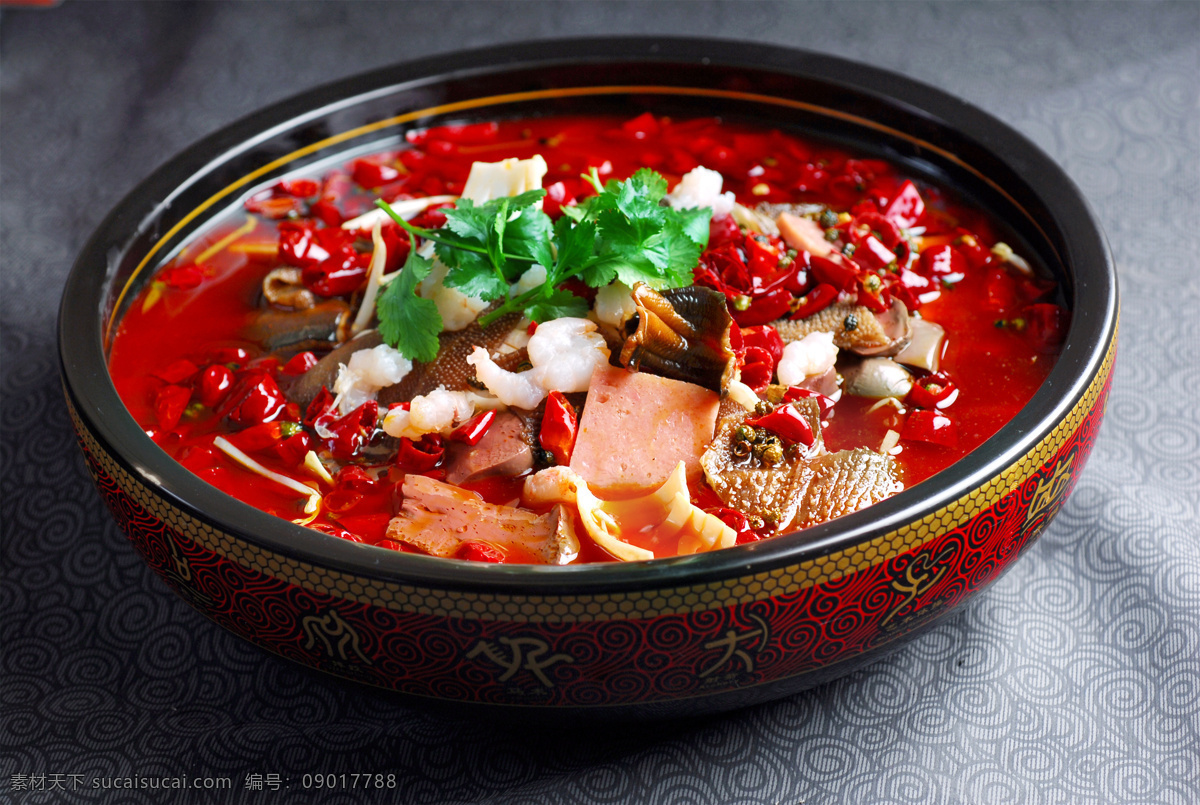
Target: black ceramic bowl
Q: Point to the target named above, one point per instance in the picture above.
(685, 635)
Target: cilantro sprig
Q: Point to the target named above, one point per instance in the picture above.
(623, 232)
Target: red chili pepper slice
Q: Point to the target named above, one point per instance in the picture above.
(474, 429)
(757, 368)
(796, 392)
(354, 478)
(341, 500)
(787, 423)
(370, 174)
(321, 405)
(334, 531)
(723, 229)
(842, 274)
(215, 382)
(343, 273)
(169, 405)
(907, 207)
(739, 522)
(258, 437)
(933, 391)
(815, 301)
(420, 456)
(255, 399)
(764, 308)
(933, 427)
(480, 552)
(353, 430)
(299, 188)
(182, 277)
(300, 363)
(765, 337)
(293, 449)
(943, 262)
(177, 371)
(559, 426)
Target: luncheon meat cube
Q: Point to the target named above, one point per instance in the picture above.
(637, 427)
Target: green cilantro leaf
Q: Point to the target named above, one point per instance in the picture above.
(555, 305)
(406, 321)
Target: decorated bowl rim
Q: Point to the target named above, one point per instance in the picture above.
(83, 317)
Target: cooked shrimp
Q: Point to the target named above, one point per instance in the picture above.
(436, 412)
(564, 353)
(368, 371)
(812, 355)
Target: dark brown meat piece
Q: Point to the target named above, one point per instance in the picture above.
(276, 329)
(504, 450)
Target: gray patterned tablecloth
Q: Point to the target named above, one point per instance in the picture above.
(1076, 678)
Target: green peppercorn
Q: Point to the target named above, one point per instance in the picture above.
(772, 455)
(744, 433)
(850, 323)
(761, 408)
(829, 218)
(832, 235)
(741, 449)
(849, 249)
(755, 522)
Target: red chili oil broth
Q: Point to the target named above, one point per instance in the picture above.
(995, 368)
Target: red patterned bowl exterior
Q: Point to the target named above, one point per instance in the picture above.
(773, 631)
(682, 642)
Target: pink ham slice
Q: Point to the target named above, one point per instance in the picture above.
(637, 427)
(803, 234)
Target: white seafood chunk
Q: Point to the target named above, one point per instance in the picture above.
(614, 304)
(438, 411)
(456, 308)
(564, 352)
(509, 177)
(701, 187)
(812, 355)
(368, 371)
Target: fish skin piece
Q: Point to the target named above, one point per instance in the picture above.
(450, 369)
(867, 335)
(756, 490)
(845, 482)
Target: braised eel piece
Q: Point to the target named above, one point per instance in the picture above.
(681, 334)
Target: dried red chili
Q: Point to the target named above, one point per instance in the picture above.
(421, 456)
(474, 429)
(814, 301)
(169, 404)
(933, 391)
(933, 427)
(787, 423)
(559, 427)
(480, 552)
